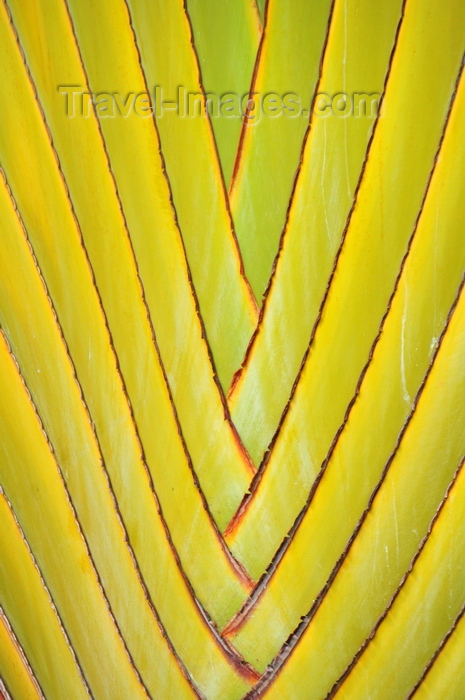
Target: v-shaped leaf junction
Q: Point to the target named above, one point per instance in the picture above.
(232, 349)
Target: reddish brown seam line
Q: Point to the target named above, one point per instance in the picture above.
(266, 293)
(273, 275)
(115, 504)
(204, 336)
(238, 620)
(293, 639)
(256, 12)
(376, 627)
(2, 331)
(253, 81)
(102, 461)
(102, 465)
(237, 568)
(235, 659)
(436, 654)
(18, 646)
(224, 648)
(81, 532)
(258, 476)
(46, 588)
(4, 694)
(217, 155)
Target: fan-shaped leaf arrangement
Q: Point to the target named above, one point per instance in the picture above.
(232, 349)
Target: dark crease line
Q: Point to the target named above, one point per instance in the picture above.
(53, 606)
(235, 565)
(294, 638)
(102, 461)
(242, 371)
(4, 693)
(399, 588)
(111, 344)
(274, 274)
(139, 574)
(69, 500)
(16, 643)
(268, 453)
(68, 496)
(236, 246)
(238, 570)
(203, 332)
(253, 82)
(200, 81)
(257, 17)
(436, 654)
(3, 333)
(112, 496)
(240, 618)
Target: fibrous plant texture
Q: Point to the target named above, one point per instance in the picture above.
(232, 349)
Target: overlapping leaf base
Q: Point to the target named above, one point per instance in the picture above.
(232, 351)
